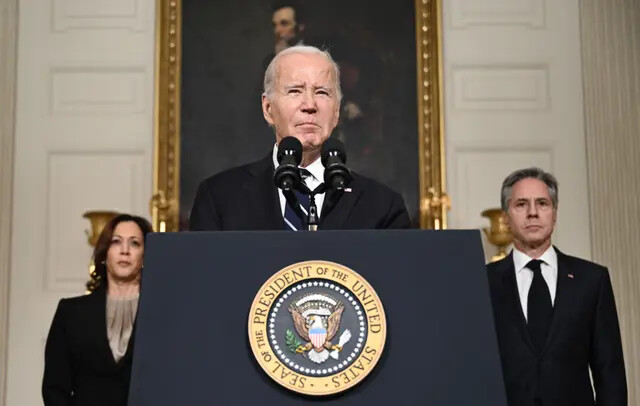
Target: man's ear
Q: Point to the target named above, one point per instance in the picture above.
(266, 109)
(336, 117)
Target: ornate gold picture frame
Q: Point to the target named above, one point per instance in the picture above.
(165, 204)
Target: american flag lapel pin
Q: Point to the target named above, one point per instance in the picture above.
(570, 275)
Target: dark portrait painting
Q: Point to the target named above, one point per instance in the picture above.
(226, 46)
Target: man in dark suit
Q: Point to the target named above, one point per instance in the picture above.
(555, 314)
(301, 99)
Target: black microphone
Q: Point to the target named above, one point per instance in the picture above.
(336, 174)
(287, 175)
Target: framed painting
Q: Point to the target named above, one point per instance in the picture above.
(210, 62)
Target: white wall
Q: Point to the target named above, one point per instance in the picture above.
(513, 99)
(83, 140)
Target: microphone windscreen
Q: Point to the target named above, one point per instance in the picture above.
(333, 146)
(290, 146)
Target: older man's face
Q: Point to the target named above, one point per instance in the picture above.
(285, 27)
(304, 102)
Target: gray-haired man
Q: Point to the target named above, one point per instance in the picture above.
(555, 314)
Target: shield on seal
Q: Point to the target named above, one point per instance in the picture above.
(318, 336)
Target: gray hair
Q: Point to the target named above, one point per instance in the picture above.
(535, 173)
(271, 72)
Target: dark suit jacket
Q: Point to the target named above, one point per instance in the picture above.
(79, 366)
(246, 198)
(584, 334)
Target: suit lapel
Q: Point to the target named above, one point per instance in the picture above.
(512, 297)
(338, 206)
(264, 201)
(262, 196)
(564, 291)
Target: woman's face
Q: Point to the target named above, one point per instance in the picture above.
(124, 256)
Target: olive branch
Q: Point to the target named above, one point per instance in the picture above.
(291, 341)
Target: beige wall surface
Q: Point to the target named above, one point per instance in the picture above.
(611, 74)
(8, 40)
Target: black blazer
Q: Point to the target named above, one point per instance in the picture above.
(584, 334)
(246, 198)
(79, 366)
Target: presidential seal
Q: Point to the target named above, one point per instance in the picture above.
(317, 328)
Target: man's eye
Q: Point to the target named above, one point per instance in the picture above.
(293, 91)
(323, 92)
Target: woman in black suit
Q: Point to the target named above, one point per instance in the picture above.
(89, 348)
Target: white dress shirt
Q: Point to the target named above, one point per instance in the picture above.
(317, 176)
(524, 276)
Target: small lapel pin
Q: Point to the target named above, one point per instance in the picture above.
(570, 275)
(347, 190)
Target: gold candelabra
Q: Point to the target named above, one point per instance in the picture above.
(98, 219)
(497, 233)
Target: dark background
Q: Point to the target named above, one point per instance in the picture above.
(226, 45)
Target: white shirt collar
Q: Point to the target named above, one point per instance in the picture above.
(316, 168)
(520, 259)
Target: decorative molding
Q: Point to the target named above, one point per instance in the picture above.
(496, 163)
(90, 177)
(500, 87)
(69, 15)
(469, 13)
(80, 90)
(8, 48)
(434, 201)
(610, 64)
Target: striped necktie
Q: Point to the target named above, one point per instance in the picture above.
(296, 220)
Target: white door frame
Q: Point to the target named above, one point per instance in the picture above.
(8, 48)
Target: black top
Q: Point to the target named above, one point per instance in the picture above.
(79, 365)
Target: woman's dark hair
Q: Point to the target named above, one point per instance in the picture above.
(99, 274)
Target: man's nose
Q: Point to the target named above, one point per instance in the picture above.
(532, 210)
(309, 102)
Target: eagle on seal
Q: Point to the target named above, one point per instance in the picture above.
(318, 331)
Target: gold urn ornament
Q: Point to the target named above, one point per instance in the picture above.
(498, 232)
(98, 219)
